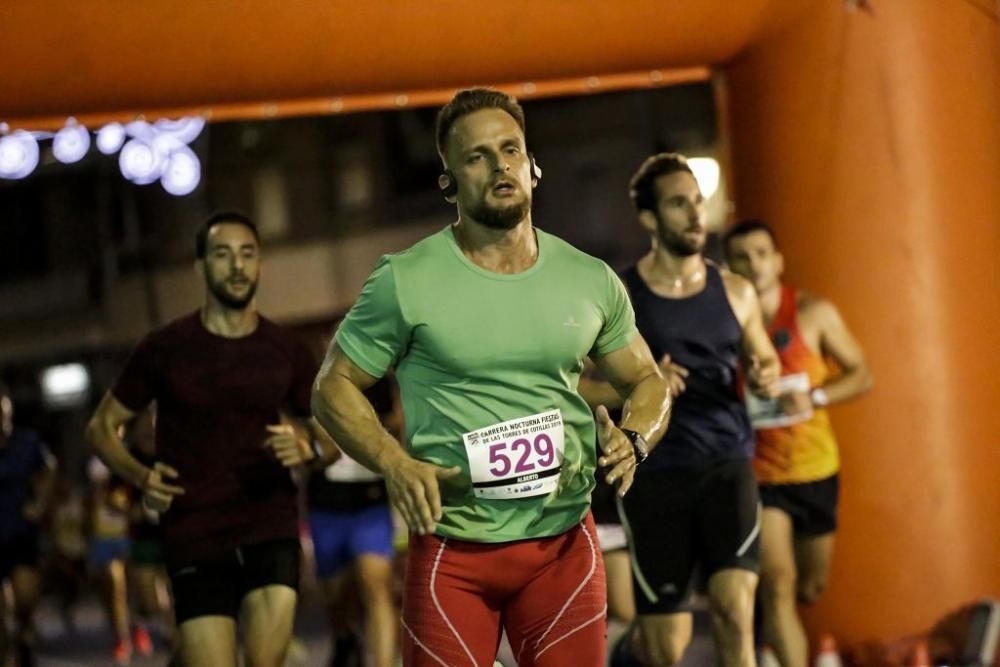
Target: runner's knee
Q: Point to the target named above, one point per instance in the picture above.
(375, 579)
(266, 651)
(732, 612)
(778, 585)
(664, 649)
(810, 589)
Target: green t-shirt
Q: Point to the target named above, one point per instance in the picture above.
(474, 349)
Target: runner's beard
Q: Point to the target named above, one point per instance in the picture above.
(678, 244)
(501, 217)
(227, 299)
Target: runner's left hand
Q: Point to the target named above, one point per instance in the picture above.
(763, 380)
(618, 452)
(287, 446)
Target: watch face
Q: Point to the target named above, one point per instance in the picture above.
(639, 445)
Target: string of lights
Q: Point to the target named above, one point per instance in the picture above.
(147, 152)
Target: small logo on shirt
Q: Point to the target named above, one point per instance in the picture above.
(571, 322)
(668, 588)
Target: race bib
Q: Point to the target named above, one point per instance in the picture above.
(520, 458)
(769, 412)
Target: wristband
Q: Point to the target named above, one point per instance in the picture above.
(819, 398)
(316, 449)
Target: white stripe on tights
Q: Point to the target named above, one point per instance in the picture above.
(437, 561)
(590, 575)
(421, 644)
(604, 612)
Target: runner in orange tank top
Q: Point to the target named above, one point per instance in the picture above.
(796, 460)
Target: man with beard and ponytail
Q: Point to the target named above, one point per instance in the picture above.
(488, 323)
(694, 503)
(225, 380)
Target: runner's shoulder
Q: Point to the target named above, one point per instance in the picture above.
(281, 336)
(738, 287)
(434, 244)
(565, 252)
(815, 308)
(178, 330)
(417, 255)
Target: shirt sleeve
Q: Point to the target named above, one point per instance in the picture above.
(619, 318)
(137, 384)
(374, 334)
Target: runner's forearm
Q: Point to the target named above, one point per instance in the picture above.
(647, 410)
(343, 411)
(599, 392)
(848, 385)
(103, 439)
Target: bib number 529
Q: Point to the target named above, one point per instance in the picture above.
(530, 454)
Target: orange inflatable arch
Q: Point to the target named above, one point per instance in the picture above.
(866, 131)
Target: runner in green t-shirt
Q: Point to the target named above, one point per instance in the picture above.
(487, 323)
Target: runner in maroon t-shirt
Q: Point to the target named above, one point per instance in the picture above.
(222, 378)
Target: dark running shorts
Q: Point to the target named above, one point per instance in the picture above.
(217, 586)
(681, 519)
(18, 551)
(812, 506)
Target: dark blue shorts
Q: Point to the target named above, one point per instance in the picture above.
(340, 537)
(105, 550)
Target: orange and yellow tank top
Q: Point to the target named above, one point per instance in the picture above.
(805, 451)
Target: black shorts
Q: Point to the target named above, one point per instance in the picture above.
(678, 520)
(19, 551)
(812, 506)
(217, 586)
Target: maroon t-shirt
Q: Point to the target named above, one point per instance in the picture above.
(215, 397)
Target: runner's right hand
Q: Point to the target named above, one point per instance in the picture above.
(795, 403)
(674, 374)
(157, 493)
(413, 491)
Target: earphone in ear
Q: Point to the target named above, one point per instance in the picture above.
(536, 171)
(449, 187)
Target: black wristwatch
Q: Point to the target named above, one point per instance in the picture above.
(638, 444)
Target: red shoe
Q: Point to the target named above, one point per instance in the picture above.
(141, 641)
(123, 652)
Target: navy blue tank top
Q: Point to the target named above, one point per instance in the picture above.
(709, 423)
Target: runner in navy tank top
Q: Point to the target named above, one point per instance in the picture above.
(694, 501)
(701, 334)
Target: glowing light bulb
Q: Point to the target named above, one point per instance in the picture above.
(185, 130)
(71, 143)
(139, 163)
(182, 172)
(110, 138)
(18, 154)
